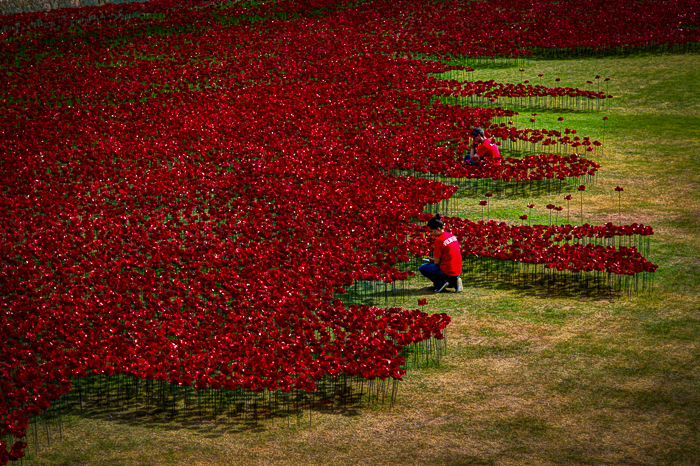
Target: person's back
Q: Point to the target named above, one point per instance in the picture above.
(488, 151)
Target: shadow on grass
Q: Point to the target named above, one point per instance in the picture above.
(545, 285)
(476, 187)
(212, 413)
(533, 281)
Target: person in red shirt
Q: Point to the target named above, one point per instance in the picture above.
(482, 150)
(445, 268)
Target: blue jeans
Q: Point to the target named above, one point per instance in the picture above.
(433, 273)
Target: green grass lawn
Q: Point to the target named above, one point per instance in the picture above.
(532, 376)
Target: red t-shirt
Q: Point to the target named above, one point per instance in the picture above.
(489, 151)
(447, 250)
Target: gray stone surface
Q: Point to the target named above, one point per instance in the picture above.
(9, 7)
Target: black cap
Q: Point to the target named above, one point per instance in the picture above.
(478, 131)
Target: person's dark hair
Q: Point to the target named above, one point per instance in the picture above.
(436, 222)
(476, 131)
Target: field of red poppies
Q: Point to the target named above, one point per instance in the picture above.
(189, 189)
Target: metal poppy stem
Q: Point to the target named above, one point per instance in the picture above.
(619, 207)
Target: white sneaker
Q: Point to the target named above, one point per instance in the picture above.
(441, 287)
(459, 285)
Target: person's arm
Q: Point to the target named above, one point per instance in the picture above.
(437, 251)
(476, 152)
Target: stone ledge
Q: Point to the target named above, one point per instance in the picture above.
(9, 7)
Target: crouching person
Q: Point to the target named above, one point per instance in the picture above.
(483, 150)
(445, 268)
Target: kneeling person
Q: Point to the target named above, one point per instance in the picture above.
(445, 268)
(482, 150)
